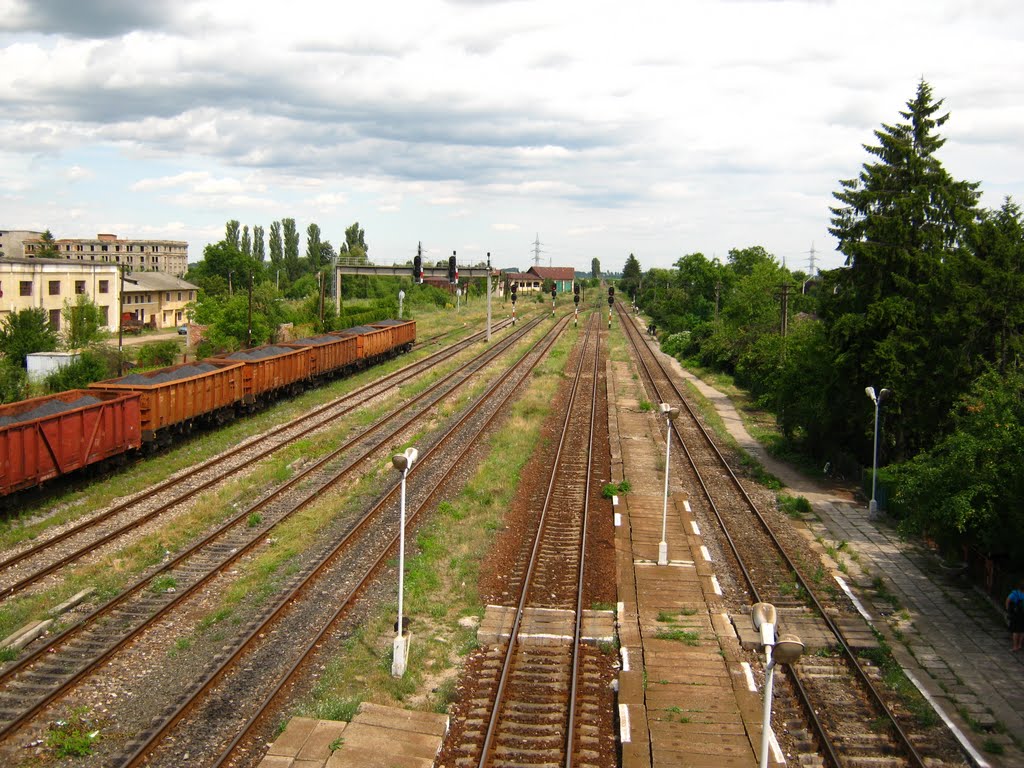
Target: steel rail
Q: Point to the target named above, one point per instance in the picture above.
(394, 379)
(578, 624)
(182, 709)
(904, 740)
(506, 668)
(142, 583)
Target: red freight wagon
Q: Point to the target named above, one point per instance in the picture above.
(46, 437)
(270, 368)
(330, 354)
(174, 397)
(402, 333)
(372, 342)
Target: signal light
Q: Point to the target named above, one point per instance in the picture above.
(453, 270)
(554, 292)
(417, 269)
(576, 288)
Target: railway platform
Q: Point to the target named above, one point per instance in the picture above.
(686, 697)
(947, 635)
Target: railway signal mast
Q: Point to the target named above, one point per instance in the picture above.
(512, 290)
(576, 301)
(611, 303)
(554, 294)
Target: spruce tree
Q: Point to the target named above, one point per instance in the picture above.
(891, 319)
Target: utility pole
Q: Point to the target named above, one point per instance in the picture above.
(536, 251)
(812, 254)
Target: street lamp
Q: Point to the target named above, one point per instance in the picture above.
(873, 505)
(786, 650)
(670, 414)
(400, 657)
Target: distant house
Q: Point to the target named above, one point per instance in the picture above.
(168, 256)
(564, 277)
(157, 298)
(533, 279)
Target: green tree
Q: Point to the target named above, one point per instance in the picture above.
(48, 246)
(595, 268)
(313, 245)
(89, 367)
(246, 246)
(24, 332)
(968, 488)
(291, 249)
(276, 248)
(231, 234)
(13, 382)
(83, 322)
(355, 249)
(629, 285)
(259, 246)
(892, 318)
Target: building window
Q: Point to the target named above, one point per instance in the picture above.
(54, 289)
(103, 248)
(156, 248)
(25, 288)
(67, 247)
(104, 286)
(55, 319)
(117, 248)
(167, 296)
(179, 295)
(79, 286)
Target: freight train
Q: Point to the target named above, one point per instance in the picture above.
(48, 437)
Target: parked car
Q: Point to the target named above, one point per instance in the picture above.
(183, 330)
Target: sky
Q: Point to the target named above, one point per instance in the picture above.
(658, 128)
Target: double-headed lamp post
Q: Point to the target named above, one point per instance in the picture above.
(877, 400)
(670, 414)
(403, 463)
(785, 650)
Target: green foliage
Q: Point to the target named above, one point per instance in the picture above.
(968, 489)
(83, 322)
(24, 332)
(158, 354)
(73, 737)
(595, 268)
(89, 367)
(227, 319)
(630, 282)
(13, 382)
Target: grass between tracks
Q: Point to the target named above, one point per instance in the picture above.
(113, 572)
(442, 568)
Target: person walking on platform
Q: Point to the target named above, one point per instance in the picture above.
(1015, 613)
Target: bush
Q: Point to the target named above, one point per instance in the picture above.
(158, 354)
(13, 382)
(89, 367)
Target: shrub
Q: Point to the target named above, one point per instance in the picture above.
(158, 354)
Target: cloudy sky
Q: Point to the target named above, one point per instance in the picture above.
(654, 127)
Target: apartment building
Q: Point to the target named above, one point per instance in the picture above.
(157, 299)
(167, 256)
(47, 283)
(12, 241)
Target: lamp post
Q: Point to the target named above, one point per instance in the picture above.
(670, 414)
(786, 650)
(877, 400)
(402, 462)
(120, 323)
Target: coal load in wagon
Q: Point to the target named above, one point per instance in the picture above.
(317, 340)
(392, 322)
(359, 330)
(162, 377)
(259, 353)
(49, 408)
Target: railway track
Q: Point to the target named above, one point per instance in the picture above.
(33, 562)
(841, 711)
(539, 703)
(56, 665)
(337, 565)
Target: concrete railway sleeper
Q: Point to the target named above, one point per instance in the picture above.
(127, 615)
(838, 691)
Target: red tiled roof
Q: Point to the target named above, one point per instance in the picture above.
(554, 273)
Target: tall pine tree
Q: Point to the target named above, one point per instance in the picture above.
(892, 319)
